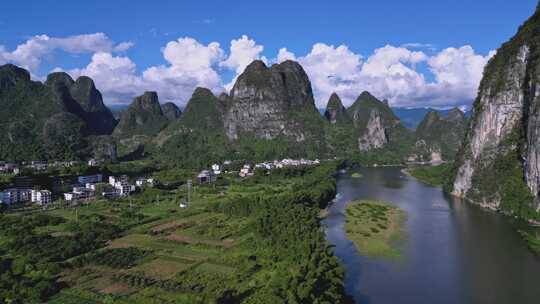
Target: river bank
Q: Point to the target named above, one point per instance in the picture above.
(461, 253)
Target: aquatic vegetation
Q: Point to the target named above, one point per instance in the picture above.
(374, 227)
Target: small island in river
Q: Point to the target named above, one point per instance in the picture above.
(374, 227)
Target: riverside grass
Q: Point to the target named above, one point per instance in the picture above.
(374, 227)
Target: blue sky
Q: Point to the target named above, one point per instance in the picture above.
(429, 27)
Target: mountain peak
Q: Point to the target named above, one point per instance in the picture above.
(335, 111)
(143, 117)
(456, 114)
(262, 100)
(200, 91)
(59, 78)
(170, 110)
(11, 74)
(256, 65)
(367, 96)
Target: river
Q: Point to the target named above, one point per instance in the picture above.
(455, 252)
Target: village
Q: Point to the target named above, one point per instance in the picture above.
(88, 188)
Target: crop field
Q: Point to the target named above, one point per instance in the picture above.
(225, 246)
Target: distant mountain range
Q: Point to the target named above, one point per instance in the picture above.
(270, 113)
(410, 117)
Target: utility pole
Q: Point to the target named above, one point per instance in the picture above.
(189, 190)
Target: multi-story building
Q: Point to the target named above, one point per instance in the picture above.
(15, 195)
(41, 197)
(79, 193)
(121, 185)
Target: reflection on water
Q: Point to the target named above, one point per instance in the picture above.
(455, 252)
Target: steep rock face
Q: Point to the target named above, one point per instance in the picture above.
(97, 116)
(35, 124)
(82, 99)
(375, 123)
(335, 111)
(171, 111)
(10, 75)
(143, 117)
(498, 166)
(439, 138)
(267, 102)
(374, 136)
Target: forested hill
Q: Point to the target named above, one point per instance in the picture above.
(270, 113)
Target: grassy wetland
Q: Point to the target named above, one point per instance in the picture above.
(375, 228)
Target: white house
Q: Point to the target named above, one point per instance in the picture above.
(217, 169)
(245, 171)
(79, 193)
(94, 162)
(121, 185)
(41, 197)
(143, 181)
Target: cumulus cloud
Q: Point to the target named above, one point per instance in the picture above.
(242, 52)
(30, 54)
(392, 73)
(123, 46)
(284, 55)
(115, 76)
(332, 69)
(405, 75)
(190, 64)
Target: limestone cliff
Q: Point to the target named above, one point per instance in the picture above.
(439, 138)
(171, 111)
(143, 117)
(335, 112)
(498, 166)
(374, 136)
(375, 124)
(55, 120)
(271, 102)
(82, 99)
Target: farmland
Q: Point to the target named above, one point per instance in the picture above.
(245, 240)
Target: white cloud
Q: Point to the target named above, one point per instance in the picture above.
(242, 52)
(123, 46)
(190, 64)
(392, 73)
(332, 69)
(458, 66)
(405, 75)
(284, 55)
(115, 76)
(189, 55)
(30, 54)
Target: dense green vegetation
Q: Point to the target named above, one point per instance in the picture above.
(256, 240)
(532, 240)
(432, 175)
(31, 260)
(374, 227)
(440, 134)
